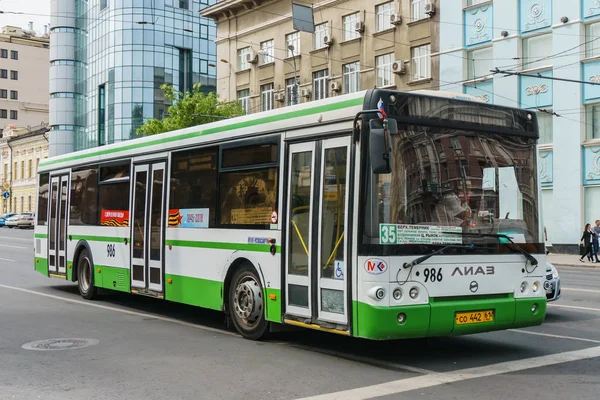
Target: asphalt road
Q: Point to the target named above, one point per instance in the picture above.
(147, 349)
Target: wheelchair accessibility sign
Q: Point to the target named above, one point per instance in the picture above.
(338, 271)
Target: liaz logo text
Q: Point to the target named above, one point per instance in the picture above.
(470, 271)
(375, 266)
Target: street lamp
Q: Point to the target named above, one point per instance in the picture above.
(295, 87)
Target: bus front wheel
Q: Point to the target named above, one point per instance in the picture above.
(85, 276)
(246, 303)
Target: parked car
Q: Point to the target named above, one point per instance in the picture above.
(4, 217)
(24, 220)
(552, 283)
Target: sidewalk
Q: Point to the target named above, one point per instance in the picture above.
(571, 260)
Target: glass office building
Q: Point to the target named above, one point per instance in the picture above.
(109, 59)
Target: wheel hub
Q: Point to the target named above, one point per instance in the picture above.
(86, 275)
(248, 301)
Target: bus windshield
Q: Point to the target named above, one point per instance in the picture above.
(445, 180)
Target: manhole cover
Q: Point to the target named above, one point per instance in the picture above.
(60, 344)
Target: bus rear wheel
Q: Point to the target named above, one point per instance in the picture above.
(246, 303)
(85, 276)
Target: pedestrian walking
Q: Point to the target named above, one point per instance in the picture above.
(586, 239)
(596, 240)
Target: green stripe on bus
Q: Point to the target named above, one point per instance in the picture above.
(41, 235)
(210, 131)
(97, 238)
(263, 248)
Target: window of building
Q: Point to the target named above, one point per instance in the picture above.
(349, 23)
(320, 84)
(244, 99)
(184, 4)
(536, 51)
(3, 53)
(384, 74)
(321, 31)
(14, 114)
(101, 115)
(351, 77)
(479, 63)
(421, 62)
(5, 172)
(383, 14)
(3, 94)
(29, 168)
(266, 96)
(4, 73)
(545, 127)
(14, 95)
(242, 58)
(291, 92)
(23, 170)
(592, 121)
(103, 4)
(267, 49)
(14, 55)
(417, 9)
(185, 70)
(113, 195)
(22, 204)
(195, 181)
(14, 75)
(3, 114)
(592, 47)
(292, 39)
(248, 190)
(14, 171)
(29, 203)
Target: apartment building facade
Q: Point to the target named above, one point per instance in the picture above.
(108, 59)
(358, 44)
(23, 77)
(554, 45)
(21, 150)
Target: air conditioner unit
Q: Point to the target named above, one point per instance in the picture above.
(305, 93)
(280, 97)
(335, 86)
(395, 19)
(327, 40)
(430, 9)
(398, 67)
(359, 27)
(252, 57)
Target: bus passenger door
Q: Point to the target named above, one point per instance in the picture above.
(148, 229)
(316, 239)
(57, 229)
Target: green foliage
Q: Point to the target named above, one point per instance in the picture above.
(194, 108)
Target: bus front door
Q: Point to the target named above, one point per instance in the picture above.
(316, 276)
(147, 229)
(57, 229)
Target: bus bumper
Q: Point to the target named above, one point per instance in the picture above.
(438, 318)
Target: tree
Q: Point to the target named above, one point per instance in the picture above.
(194, 108)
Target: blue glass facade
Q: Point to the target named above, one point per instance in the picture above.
(129, 48)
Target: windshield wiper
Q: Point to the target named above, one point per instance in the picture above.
(498, 236)
(426, 257)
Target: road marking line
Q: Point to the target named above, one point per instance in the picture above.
(7, 259)
(555, 336)
(580, 290)
(15, 247)
(436, 379)
(13, 238)
(574, 307)
(136, 313)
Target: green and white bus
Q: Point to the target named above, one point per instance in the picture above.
(378, 214)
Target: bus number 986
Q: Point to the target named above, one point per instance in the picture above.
(110, 250)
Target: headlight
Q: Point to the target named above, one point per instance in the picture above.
(414, 292)
(397, 294)
(380, 293)
(554, 273)
(535, 286)
(523, 287)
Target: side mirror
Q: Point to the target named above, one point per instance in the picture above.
(380, 144)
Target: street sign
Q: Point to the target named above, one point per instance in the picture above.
(6, 195)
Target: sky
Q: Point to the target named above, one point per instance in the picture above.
(37, 11)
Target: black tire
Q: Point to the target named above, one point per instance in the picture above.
(85, 276)
(246, 303)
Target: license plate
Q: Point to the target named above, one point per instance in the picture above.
(474, 317)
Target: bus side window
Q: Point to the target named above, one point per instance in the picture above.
(42, 205)
(84, 197)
